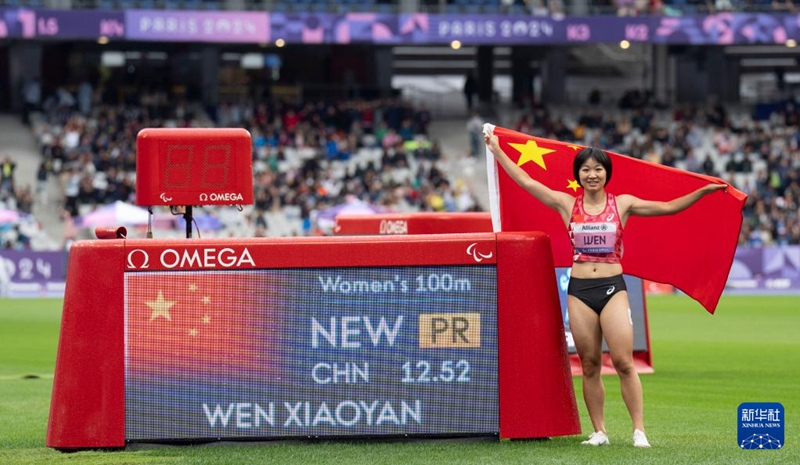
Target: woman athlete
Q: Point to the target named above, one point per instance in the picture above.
(597, 299)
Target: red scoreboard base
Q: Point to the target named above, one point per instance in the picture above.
(475, 332)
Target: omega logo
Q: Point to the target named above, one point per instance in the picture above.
(221, 196)
(394, 227)
(145, 259)
(209, 257)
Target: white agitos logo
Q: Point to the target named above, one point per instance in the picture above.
(477, 256)
(164, 197)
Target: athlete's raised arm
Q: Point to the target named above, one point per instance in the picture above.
(637, 207)
(558, 201)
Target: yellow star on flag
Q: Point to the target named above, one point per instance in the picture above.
(193, 287)
(574, 147)
(206, 299)
(160, 307)
(530, 151)
(193, 332)
(573, 184)
(206, 319)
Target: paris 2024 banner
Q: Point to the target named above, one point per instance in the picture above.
(385, 28)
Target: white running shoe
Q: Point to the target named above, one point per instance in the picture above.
(598, 438)
(639, 439)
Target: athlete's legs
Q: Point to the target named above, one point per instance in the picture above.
(617, 327)
(585, 326)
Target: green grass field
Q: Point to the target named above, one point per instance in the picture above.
(705, 367)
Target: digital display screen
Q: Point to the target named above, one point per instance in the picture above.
(357, 351)
(194, 167)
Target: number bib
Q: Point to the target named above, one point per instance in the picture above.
(594, 238)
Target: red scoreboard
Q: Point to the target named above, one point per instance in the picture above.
(176, 341)
(194, 167)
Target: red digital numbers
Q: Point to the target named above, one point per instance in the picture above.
(179, 167)
(194, 167)
(216, 161)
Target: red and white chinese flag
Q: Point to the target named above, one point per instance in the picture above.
(692, 250)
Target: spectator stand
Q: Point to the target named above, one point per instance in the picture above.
(308, 157)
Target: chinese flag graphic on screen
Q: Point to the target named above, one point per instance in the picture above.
(188, 324)
(692, 250)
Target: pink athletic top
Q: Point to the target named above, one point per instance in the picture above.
(596, 238)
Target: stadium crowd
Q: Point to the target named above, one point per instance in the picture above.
(554, 8)
(313, 158)
(17, 225)
(308, 158)
(761, 157)
(559, 8)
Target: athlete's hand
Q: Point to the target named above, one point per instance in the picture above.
(713, 187)
(491, 141)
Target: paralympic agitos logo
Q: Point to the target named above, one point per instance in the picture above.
(207, 257)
